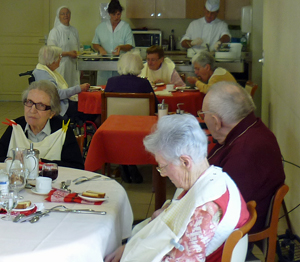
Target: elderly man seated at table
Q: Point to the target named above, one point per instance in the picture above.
(247, 150)
(160, 69)
(194, 226)
(49, 61)
(130, 65)
(208, 73)
(42, 125)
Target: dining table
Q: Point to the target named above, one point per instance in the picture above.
(119, 140)
(67, 236)
(190, 99)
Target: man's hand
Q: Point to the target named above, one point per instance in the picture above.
(197, 41)
(72, 54)
(217, 45)
(117, 50)
(115, 256)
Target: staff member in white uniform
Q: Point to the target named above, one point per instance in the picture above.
(207, 30)
(112, 37)
(66, 37)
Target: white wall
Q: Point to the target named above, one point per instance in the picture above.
(281, 88)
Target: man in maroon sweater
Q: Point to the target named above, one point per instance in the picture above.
(247, 150)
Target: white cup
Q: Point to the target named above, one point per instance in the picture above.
(43, 185)
(170, 87)
(162, 110)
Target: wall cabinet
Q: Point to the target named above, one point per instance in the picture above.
(168, 9)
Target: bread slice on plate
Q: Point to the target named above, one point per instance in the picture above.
(93, 194)
(23, 205)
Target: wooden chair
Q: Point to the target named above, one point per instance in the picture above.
(251, 88)
(235, 248)
(80, 141)
(269, 234)
(140, 104)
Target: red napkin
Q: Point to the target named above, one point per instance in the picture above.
(57, 195)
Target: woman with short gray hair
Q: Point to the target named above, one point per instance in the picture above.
(42, 126)
(207, 72)
(49, 61)
(194, 226)
(129, 67)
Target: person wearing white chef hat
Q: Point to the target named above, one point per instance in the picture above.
(208, 32)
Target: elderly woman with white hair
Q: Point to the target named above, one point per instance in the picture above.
(66, 37)
(42, 125)
(130, 66)
(194, 226)
(46, 69)
(207, 72)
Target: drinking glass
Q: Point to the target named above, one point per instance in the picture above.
(9, 201)
(50, 170)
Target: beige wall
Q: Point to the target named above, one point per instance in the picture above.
(281, 88)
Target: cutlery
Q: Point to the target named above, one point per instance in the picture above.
(27, 218)
(37, 218)
(85, 179)
(80, 211)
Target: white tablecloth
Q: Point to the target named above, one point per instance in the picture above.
(69, 236)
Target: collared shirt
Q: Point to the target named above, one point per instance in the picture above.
(41, 135)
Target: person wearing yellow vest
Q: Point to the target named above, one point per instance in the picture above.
(194, 226)
(160, 69)
(207, 72)
(42, 126)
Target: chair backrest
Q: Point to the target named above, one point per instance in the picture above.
(251, 87)
(138, 104)
(236, 245)
(270, 233)
(80, 141)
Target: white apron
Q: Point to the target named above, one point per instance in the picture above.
(158, 237)
(50, 148)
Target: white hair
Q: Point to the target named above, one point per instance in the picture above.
(130, 63)
(49, 54)
(204, 58)
(229, 101)
(177, 135)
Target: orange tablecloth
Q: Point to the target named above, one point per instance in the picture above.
(120, 140)
(192, 100)
(90, 102)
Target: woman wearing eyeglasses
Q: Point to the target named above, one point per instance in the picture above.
(49, 61)
(42, 125)
(195, 225)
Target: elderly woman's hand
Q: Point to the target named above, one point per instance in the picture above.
(115, 256)
(85, 87)
(192, 80)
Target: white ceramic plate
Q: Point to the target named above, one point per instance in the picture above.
(38, 193)
(92, 199)
(159, 84)
(32, 206)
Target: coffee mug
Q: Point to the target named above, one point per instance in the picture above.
(43, 185)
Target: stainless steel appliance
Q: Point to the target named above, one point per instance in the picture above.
(146, 38)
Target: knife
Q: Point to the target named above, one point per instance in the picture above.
(80, 211)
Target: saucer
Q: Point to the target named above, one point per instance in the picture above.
(32, 206)
(33, 190)
(92, 199)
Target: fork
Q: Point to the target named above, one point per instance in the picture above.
(85, 179)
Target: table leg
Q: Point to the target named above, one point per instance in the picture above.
(159, 184)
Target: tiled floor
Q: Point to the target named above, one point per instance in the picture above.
(140, 195)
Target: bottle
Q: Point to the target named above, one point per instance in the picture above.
(172, 43)
(244, 43)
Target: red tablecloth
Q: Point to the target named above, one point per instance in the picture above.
(90, 102)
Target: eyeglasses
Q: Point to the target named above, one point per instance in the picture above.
(201, 113)
(67, 13)
(152, 59)
(38, 106)
(160, 169)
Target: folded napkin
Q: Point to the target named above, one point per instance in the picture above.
(57, 195)
(163, 93)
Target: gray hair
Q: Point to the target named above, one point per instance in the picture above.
(229, 101)
(130, 63)
(205, 58)
(177, 135)
(49, 54)
(50, 89)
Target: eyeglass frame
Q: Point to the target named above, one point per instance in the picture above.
(200, 113)
(36, 105)
(160, 169)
